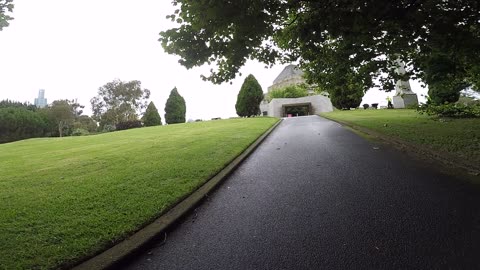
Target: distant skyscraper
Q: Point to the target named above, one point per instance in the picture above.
(41, 101)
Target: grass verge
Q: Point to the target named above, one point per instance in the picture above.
(458, 137)
(64, 199)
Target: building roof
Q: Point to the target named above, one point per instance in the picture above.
(289, 72)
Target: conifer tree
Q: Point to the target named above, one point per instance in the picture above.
(175, 108)
(151, 116)
(249, 98)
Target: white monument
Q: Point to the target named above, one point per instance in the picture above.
(404, 96)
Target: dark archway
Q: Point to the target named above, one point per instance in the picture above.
(302, 109)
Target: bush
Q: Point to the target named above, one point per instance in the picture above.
(375, 105)
(80, 132)
(128, 125)
(451, 110)
(18, 123)
(346, 98)
(294, 91)
(366, 106)
(106, 128)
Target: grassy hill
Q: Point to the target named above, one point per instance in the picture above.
(62, 199)
(458, 137)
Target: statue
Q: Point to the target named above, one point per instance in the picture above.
(404, 96)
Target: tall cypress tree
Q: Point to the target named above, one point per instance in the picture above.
(175, 108)
(249, 98)
(151, 116)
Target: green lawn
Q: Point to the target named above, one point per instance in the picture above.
(62, 199)
(459, 137)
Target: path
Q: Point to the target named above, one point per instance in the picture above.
(315, 195)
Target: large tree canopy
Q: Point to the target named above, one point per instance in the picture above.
(119, 101)
(359, 39)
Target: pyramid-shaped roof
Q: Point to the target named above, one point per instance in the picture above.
(289, 72)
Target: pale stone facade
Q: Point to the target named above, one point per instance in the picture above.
(291, 75)
(316, 104)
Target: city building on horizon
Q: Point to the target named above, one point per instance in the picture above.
(41, 101)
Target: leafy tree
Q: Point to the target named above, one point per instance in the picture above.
(62, 114)
(6, 6)
(346, 98)
(85, 122)
(175, 108)
(18, 123)
(151, 116)
(331, 39)
(119, 101)
(249, 98)
(15, 104)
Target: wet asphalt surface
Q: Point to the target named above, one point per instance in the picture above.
(315, 195)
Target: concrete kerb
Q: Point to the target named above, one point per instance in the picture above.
(118, 253)
(443, 158)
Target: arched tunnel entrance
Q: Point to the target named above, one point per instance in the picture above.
(299, 109)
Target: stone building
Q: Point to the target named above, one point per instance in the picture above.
(284, 107)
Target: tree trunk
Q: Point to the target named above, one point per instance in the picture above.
(60, 129)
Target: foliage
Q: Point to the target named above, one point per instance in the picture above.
(345, 98)
(85, 122)
(366, 106)
(17, 123)
(129, 124)
(6, 6)
(151, 116)
(451, 110)
(80, 132)
(58, 119)
(249, 97)
(466, 100)
(175, 108)
(10, 103)
(65, 200)
(331, 39)
(62, 114)
(293, 91)
(445, 83)
(119, 101)
(107, 128)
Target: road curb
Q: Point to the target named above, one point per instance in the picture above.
(118, 253)
(444, 158)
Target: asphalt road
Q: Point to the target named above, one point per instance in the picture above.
(315, 195)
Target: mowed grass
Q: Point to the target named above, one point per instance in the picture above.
(459, 137)
(62, 199)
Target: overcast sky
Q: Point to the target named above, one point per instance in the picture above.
(71, 48)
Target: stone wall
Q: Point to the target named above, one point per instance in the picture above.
(318, 104)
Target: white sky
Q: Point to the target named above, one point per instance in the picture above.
(71, 48)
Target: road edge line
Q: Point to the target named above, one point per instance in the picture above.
(444, 158)
(121, 251)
